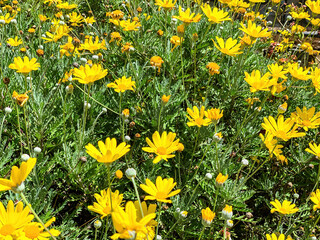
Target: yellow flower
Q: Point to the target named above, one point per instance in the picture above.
(127, 224)
(207, 216)
(66, 5)
(43, 18)
(116, 14)
(93, 46)
(282, 129)
(75, 19)
(307, 47)
(166, 4)
(35, 231)
(277, 71)
(214, 114)
(259, 83)
(283, 108)
(220, 179)
(162, 146)
(297, 29)
(227, 212)
(165, 99)
(314, 149)
(14, 42)
(246, 40)
(283, 208)
(274, 237)
(215, 15)
(150, 225)
(61, 31)
(315, 198)
(187, 17)
(115, 36)
(306, 118)
(161, 191)
(315, 22)
(230, 47)
(314, 6)
(119, 174)
(24, 66)
(315, 77)
(18, 176)
(255, 31)
(21, 99)
(213, 68)
(177, 41)
(196, 117)
(109, 151)
(89, 20)
(68, 48)
(156, 61)
(86, 74)
(127, 47)
(127, 25)
(300, 15)
(103, 204)
(13, 219)
(180, 147)
(122, 84)
(238, 4)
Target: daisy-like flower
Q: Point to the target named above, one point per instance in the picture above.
(151, 209)
(277, 71)
(14, 42)
(285, 208)
(197, 117)
(93, 46)
(115, 36)
(314, 149)
(315, 77)
(86, 74)
(187, 17)
(258, 82)
(300, 15)
(161, 191)
(20, 99)
(177, 41)
(281, 129)
(109, 151)
(314, 6)
(75, 19)
(306, 118)
(298, 72)
(18, 176)
(127, 25)
(127, 47)
(213, 68)
(165, 99)
(116, 14)
(162, 146)
(35, 231)
(215, 15)
(230, 47)
(214, 114)
(67, 6)
(156, 61)
(307, 47)
(207, 216)
(227, 212)
(315, 198)
(122, 84)
(220, 179)
(24, 66)
(13, 219)
(274, 237)
(166, 4)
(127, 224)
(104, 203)
(255, 31)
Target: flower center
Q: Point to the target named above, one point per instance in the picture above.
(7, 229)
(122, 86)
(32, 231)
(107, 210)
(162, 150)
(199, 121)
(161, 195)
(306, 122)
(281, 134)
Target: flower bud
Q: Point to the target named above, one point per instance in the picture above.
(8, 110)
(25, 157)
(296, 195)
(208, 176)
(87, 105)
(229, 223)
(227, 212)
(119, 174)
(127, 138)
(37, 150)
(245, 162)
(97, 224)
(158, 237)
(131, 173)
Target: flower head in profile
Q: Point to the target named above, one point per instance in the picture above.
(197, 117)
(156, 61)
(104, 202)
(284, 208)
(306, 118)
(162, 146)
(177, 41)
(187, 17)
(213, 68)
(35, 231)
(24, 66)
(127, 224)
(151, 209)
(230, 47)
(214, 114)
(87, 75)
(254, 31)
(274, 237)
(13, 219)
(93, 46)
(227, 212)
(314, 6)
(207, 216)
(166, 4)
(165, 99)
(220, 179)
(314, 149)
(122, 84)
(315, 77)
(298, 72)
(109, 151)
(315, 198)
(160, 191)
(18, 176)
(215, 15)
(258, 82)
(21, 99)
(282, 129)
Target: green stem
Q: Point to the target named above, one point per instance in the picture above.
(181, 55)
(159, 118)
(19, 127)
(138, 197)
(27, 134)
(1, 127)
(35, 214)
(215, 199)
(279, 223)
(195, 145)
(225, 230)
(194, 191)
(201, 233)
(158, 218)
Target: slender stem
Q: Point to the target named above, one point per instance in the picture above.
(1, 127)
(138, 197)
(215, 199)
(95, 234)
(279, 223)
(318, 178)
(19, 128)
(195, 145)
(225, 230)
(172, 227)
(202, 231)
(315, 224)
(159, 118)
(216, 143)
(181, 55)
(120, 118)
(194, 191)
(27, 134)
(158, 218)
(35, 214)
(109, 184)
